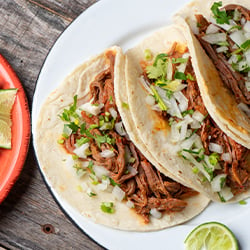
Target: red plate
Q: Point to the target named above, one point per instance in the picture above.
(12, 160)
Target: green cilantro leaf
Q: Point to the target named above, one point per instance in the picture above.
(220, 15)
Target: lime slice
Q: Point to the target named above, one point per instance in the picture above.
(7, 98)
(211, 235)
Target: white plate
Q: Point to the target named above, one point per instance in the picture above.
(124, 23)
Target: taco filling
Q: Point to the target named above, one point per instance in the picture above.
(226, 40)
(174, 94)
(100, 149)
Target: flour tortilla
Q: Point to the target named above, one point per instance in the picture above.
(152, 129)
(218, 100)
(52, 157)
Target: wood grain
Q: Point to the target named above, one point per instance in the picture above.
(29, 216)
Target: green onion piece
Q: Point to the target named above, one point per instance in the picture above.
(179, 60)
(92, 126)
(75, 157)
(60, 141)
(242, 202)
(158, 99)
(213, 158)
(113, 183)
(81, 141)
(221, 197)
(189, 111)
(195, 170)
(125, 105)
(147, 54)
(91, 194)
(190, 77)
(107, 207)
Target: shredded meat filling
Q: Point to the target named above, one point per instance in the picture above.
(232, 79)
(145, 186)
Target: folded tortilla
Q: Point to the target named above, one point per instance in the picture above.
(154, 122)
(218, 98)
(87, 193)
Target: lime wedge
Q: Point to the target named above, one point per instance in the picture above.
(7, 98)
(211, 235)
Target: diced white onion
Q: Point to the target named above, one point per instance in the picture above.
(89, 191)
(174, 109)
(216, 183)
(175, 133)
(155, 213)
(150, 100)
(113, 112)
(246, 27)
(183, 133)
(91, 109)
(145, 85)
(100, 171)
(183, 101)
(212, 29)
(214, 147)
(238, 37)
(247, 35)
(195, 124)
(242, 106)
(227, 157)
(81, 151)
(120, 129)
(107, 153)
(130, 204)
(156, 107)
(198, 143)
(233, 59)
(247, 56)
(247, 83)
(182, 67)
(224, 26)
(243, 21)
(206, 159)
(118, 193)
(189, 157)
(215, 38)
(222, 49)
(132, 170)
(103, 185)
(198, 116)
(226, 193)
(188, 143)
(169, 69)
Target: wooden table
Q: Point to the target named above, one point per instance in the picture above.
(29, 216)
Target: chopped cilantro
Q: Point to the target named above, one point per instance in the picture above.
(73, 127)
(91, 194)
(67, 113)
(159, 67)
(245, 45)
(220, 15)
(180, 75)
(90, 167)
(104, 139)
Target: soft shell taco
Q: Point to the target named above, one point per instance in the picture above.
(173, 122)
(91, 162)
(219, 38)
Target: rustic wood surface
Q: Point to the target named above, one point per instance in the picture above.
(29, 216)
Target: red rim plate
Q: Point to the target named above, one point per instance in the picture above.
(12, 160)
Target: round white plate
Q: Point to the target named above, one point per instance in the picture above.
(124, 23)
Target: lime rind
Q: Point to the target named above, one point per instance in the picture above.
(211, 235)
